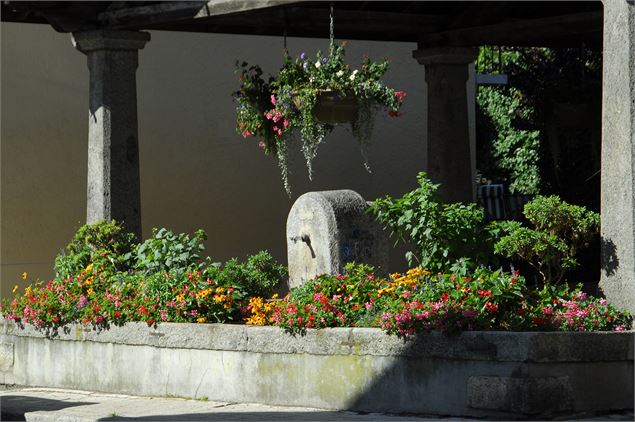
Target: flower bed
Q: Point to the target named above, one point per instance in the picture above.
(106, 279)
(415, 302)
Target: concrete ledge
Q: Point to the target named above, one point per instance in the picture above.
(500, 374)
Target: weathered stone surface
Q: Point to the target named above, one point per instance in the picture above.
(581, 347)
(340, 368)
(326, 230)
(618, 154)
(527, 396)
(449, 159)
(113, 145)
(499, 346)
(6, 356)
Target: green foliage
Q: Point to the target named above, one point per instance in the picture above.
(560, 230)
(441, 233)
(515, 150)
(103, 244)
(272, 111)
(514, 145)
(166, 251)
(259, 275)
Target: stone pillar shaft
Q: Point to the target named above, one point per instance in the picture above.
(113, 145)
(449, 162)
(618, 154)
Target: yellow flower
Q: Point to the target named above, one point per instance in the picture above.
(261, 311)
(179, 298)
(90, 291)
(15, 288)
(200, 320)
(89, 268)
(27, 291)
(219, 290)
(24, 275)
(219, 298)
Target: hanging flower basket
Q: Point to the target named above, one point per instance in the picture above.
(308, 97)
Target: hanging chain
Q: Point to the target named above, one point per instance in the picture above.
(331, 35)
(284, 33)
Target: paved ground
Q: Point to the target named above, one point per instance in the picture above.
(49, 404)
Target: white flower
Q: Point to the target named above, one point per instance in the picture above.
(353, 75)
(340, 73)
(318, 64)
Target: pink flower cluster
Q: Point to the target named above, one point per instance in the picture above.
(276, 116)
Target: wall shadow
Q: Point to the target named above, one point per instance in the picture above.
(262, 417)
(13, 407)
(610, 261)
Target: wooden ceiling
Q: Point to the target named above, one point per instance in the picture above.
(429, 23)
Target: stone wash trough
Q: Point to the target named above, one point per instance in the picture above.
(493, 374)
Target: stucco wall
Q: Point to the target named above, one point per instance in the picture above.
(196, 172)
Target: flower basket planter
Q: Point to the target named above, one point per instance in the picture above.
(334, 109)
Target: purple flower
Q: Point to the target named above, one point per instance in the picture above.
(302, 56)
(324, 60)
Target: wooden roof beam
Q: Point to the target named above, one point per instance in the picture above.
(175, 11)
(517, 33)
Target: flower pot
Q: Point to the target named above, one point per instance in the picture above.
(333, 108)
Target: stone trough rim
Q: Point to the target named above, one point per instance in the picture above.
(508, 346)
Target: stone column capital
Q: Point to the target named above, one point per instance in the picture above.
(89, 41)
(445, 55)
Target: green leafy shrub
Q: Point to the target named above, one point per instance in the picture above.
(104, 245)
(560, 230)
(441, 233)
(166, 251)
(259, 275)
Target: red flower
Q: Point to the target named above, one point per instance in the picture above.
(400, 95)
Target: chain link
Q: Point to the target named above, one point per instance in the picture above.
(332, 37)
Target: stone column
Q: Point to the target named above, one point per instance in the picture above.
(113, 145)
(449, 162)
(618, 154)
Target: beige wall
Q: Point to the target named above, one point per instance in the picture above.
(196, 172)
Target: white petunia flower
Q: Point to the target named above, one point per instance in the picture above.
(340, 73)
(353, 75)
(318, 64)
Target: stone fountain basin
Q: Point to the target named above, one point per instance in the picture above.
(493, 374)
